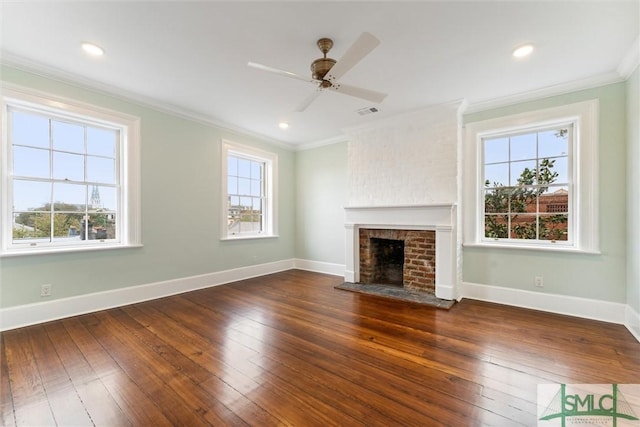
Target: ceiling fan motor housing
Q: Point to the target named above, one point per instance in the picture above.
(320, 67)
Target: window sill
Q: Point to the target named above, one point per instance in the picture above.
(252, 237)
(59, 250)
(520, 246)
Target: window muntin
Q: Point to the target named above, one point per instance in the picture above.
(69, 174)
(525, 173)
(583, 171)
(245, 195)
(249, 183)
(64, 180)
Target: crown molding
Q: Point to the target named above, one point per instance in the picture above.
(545, 92)
(627, 66)
(85, 83)
(321, 143)
(630, 61)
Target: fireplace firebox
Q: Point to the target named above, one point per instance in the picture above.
(388, 261)
(398, 257)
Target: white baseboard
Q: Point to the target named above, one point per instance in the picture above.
(445, 292)
(320, 267)
(632, 321)
(30, 314)
(573, 306)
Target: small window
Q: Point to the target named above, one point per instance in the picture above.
(248, 192)
(527, 182)
(67, 177)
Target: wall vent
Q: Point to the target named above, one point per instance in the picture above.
(368, 110)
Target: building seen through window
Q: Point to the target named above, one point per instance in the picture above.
(245, 196)
(526, 185)
(249, 192)
(64, 181)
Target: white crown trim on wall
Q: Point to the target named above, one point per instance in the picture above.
(630, 61)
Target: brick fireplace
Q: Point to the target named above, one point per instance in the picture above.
(405, 258)
(428, 236)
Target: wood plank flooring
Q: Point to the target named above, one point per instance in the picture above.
(289, 349)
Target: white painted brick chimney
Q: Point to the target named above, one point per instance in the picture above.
(406, 160)
(407, 164)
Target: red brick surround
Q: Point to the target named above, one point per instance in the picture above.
(419, 256)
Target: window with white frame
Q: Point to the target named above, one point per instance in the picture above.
(248, 192)
(530, 180)
(69, 176)
(527, 184)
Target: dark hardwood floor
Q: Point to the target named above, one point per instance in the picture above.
(289, 349)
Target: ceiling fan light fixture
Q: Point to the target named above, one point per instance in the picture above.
(522, 51)
(92, 49)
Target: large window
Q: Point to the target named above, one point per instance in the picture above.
(248, 192)
(69, 176)
(530, 180)
(527, 184)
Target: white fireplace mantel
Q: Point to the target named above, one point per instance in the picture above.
(438, 217)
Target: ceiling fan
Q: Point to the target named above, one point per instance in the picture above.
(325, 72)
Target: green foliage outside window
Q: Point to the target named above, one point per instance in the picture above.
(67, 221)
(504, 205)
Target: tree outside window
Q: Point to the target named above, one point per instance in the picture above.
(526, 185)
(69, 174)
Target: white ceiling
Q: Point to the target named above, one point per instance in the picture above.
(192, 57)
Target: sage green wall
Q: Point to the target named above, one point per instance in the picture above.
(322, 195)
(180, 210)
(601, 277)
(633, 191)
(180, 205)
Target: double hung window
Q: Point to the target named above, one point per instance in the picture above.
(68, 176)
(530, 180)
(248, 201)
(527, 185)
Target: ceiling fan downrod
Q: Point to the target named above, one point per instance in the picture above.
(321, 66)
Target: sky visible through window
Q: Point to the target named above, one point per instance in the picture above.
(60, 161)
(245, 182)
(505, 158)
(245, 189)
(526, 185)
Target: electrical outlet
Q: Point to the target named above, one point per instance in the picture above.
(538, 282)
(45, 290)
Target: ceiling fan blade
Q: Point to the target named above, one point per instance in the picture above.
(358, 50)
(308, 100)
(280, 72)
(366, 94)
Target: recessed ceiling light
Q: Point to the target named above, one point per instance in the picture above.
(283, 125)
(522, 51)
(92, 49)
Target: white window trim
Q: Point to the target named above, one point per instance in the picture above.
(271, 187)
(584, 168)
(130, 201)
